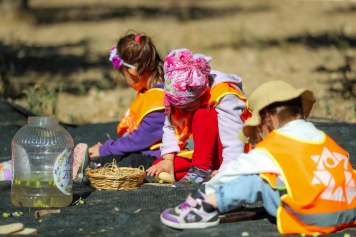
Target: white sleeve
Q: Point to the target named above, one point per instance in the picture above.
(254, 162)
(229, 111)
(169, 139)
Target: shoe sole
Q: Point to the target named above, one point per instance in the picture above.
(196, 225)
(82, 169)
(79, 159)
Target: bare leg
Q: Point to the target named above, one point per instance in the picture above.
(211, 199)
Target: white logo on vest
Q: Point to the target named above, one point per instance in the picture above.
(334, 161)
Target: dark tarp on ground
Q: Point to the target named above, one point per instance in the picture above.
(130, 213)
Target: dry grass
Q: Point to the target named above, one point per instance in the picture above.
(305, 43)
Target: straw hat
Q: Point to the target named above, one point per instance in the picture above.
(269, 93)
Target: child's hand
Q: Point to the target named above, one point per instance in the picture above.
(165, 165)
(162, 166)
(215, 172)
(94, 150)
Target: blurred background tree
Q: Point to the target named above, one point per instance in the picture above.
(15, 11)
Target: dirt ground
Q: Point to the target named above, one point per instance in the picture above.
(310, 44)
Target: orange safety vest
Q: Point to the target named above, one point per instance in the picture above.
(144, 103)
(320, 184)
(182, 121)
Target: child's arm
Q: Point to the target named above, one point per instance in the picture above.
(169, 139)
(169, 148)
(147, 133)
(229, 111)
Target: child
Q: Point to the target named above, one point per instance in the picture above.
(206, 103)
(303, 177)
(6, 170)
(140, 130)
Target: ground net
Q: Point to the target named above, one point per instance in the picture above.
(131, 213)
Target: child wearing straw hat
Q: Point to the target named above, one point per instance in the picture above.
(204, 110)
(303, 177)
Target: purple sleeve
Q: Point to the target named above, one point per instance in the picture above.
(148, 132)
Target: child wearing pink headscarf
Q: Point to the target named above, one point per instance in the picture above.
(205, 109)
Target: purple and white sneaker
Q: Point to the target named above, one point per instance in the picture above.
(193, 213)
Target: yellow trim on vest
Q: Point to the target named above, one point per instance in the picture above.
(154, 109)
(229, 90)
(156, 89)
(276, 163)
(149, 111)
(226, 93)
(248, 107)
(136, 104)
(153, 147)
(186, 154)
(263, 176)
(176, 132)
(278, 214)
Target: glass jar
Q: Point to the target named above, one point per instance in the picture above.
(42, 164)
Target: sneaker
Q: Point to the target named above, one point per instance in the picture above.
(6, 170)
(80, 162)
(193, 213)
(194, 177)
(5, 175)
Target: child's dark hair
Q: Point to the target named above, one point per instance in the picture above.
(211, 80)
(143, 54)
(285, 110)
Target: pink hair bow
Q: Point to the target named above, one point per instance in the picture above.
(137, 38)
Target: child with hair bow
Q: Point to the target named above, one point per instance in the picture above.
(140, 130)
(204, 110)
(303, 177)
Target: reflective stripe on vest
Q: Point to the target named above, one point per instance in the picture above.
(320, 184)
(216, 94)
(144, 103)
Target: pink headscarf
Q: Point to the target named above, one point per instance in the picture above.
(186, 77)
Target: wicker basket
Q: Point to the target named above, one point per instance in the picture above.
(112, 177)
